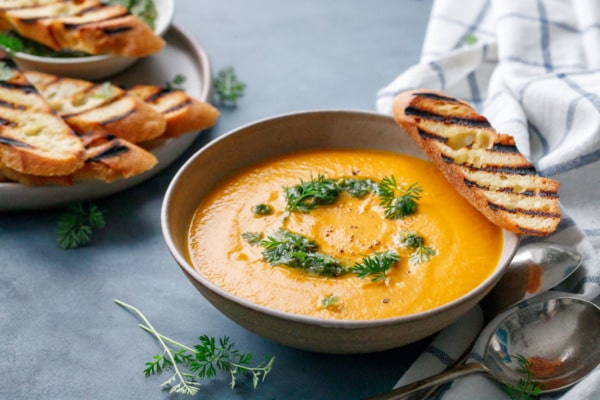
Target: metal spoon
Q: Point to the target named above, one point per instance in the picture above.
(534, 269)
(558, 336)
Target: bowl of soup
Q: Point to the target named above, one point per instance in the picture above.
(330, 231)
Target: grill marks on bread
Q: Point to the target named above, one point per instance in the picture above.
(86, 107)
(33, 139)
(183, 113)
(484, 166)
(86, 25)
(103, 125)
(109, 158)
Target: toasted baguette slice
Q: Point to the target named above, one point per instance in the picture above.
(108, 158)
(484, 166)
(11, 175)
(85, 25)
(87, 106)
(183, 113)
(33, 139)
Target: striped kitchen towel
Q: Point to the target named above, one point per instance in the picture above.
(532, 67)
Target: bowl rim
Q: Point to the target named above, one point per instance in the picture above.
(165, 8)
(508, 238)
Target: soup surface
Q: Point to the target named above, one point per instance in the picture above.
(464, 247)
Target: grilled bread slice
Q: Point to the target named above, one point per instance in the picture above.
(85, 25)
(11, 175)
(108, 158)
(87, 106)
(33, 139)
(483, 165)
(183, 113)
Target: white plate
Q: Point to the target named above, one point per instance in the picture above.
(95, 67)
(182, 55)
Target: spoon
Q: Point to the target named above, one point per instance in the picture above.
(558, 336)
(535, 268)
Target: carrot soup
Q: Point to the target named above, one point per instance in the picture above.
(342, 234)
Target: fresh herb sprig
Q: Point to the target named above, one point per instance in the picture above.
(203, 360)
(176, 83)
(75, 226)
(358, 187)
(330, 301)
(398, 201)
(297, 251)
(376, 265)
(262, 209)
(527, 388)
(306, 195)
(11, 43)
(421, 253)
(228, 88)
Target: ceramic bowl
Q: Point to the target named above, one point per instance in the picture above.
(279, 135)
(98, 66)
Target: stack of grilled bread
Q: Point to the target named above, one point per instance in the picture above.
(91, 26)
(483, 165)
(56, 130)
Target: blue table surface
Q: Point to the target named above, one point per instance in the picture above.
(61, 335)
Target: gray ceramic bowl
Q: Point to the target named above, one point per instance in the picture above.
(287, 133)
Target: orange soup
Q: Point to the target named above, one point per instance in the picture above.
(457, 247)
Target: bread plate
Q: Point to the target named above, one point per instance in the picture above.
(182, 55)
(97, 66)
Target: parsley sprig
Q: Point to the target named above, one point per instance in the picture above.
(527, 388)
(75, 226)
(176, 83)
(330, 301)
(297, 251)
(421, 253)
(376, 265)
(203, 360)
(306, 195)
(398, 201)
(228, 88)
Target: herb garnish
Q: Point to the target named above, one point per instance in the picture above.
(176, 83)
(11, 43)
(330, 301)
(376, 265)
(203, 360)
(75, 226)
(306, 195)
(398, 201)
(296, 251)
(143, 9)
(262, 209)
(416, 242)
(105, 92)
(527, 388)
(358, 188)
(227, 87)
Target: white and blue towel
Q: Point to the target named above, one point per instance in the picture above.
(532, 67)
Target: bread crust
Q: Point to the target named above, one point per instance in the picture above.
(86, 107)
(182, 112)
(85, 25)
(483, 165)
(109, 158)
(33, 139)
